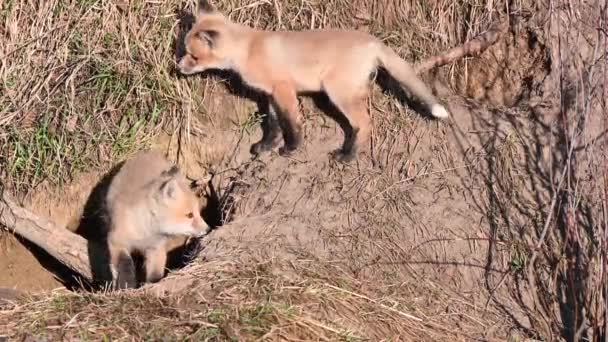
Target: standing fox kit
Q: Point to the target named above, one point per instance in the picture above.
(149, 204)
(283, 64)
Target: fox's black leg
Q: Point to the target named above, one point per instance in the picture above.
(270, 132)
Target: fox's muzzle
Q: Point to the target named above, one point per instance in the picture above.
(202, 232)
(184, 67)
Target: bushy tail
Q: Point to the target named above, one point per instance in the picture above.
(403, 72)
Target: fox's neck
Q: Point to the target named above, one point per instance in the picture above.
(243, 37)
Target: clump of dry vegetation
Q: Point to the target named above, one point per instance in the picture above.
(99, 78)
(492, 227)
(306, 300)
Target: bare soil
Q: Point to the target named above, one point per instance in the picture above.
(23, 270)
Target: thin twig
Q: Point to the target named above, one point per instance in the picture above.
(375, 302)
(419, 176)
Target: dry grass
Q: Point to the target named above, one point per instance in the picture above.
(86, 82)
(234, 300)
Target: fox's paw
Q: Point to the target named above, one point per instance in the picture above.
(343, 157)
(121, 283)
(261, 147)
(287, 151)
(154, 277)
(124, 275)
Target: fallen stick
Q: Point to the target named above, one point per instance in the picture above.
(473, 47)
(68, 248)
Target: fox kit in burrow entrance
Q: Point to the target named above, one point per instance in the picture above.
(150, 206)
(283, 64)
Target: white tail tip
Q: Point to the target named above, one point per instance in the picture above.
(439, 111)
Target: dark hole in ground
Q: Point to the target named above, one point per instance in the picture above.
(218, 211)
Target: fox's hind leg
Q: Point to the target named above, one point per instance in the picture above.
(350, 98)
(285, 101)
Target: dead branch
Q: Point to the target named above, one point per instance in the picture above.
(473, 47)
(68, 248)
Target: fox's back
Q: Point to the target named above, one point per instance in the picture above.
(129, 184)
(307, 57)
(327, 37)
(329, 44)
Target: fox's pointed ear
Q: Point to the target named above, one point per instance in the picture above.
(169, 189)
(205, 7)
(209, 35)
(174, 170)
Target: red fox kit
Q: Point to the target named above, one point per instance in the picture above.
(283, 64)
(149, 204)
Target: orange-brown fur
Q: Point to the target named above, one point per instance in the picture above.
(283, 64)
(150, 208)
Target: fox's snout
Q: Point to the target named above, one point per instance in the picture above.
(188, 66)
(201, 228)
(193, 229)
(182, 67)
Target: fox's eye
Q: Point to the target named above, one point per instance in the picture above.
(193, 57)
(190, 215)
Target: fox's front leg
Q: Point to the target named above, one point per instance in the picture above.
(270, 132)
(156, 260)
(286, 101)
(122, 267)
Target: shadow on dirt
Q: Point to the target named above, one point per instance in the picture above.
(521, 173)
